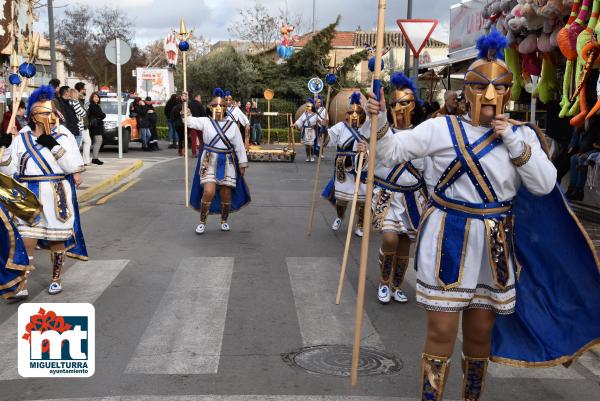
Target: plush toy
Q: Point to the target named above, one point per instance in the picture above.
(513, 62)
(548, 80)
(570, 52)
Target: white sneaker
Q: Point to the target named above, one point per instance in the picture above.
(384, 295)
(200, 229)
(23, 294)
(359, 232)
(336, 224)
(308, 159)
(312, 158)
(400, 297)
(54, 288)
(225, 227)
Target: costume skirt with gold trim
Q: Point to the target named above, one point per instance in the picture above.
(14, 262)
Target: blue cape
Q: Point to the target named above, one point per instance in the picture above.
(75, 245)
(240, 196)
(557, 315)
(14, 262)
(329, 192)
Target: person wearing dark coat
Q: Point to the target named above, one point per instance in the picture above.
(143, 123)
(172, 132)
(96, 122)
(177, 119)
(152, 117)
(197, 110)
(71, 120)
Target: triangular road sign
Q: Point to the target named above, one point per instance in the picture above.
(416, 32)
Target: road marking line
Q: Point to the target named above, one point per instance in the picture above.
(124, 188)
(83, 282)
(321, 320)
(186, 332)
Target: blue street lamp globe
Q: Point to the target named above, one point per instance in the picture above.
(184, 46)
(14, 79)
(27, 70)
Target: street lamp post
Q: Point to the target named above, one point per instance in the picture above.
(52, 39)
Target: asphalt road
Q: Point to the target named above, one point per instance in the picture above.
(187, 317)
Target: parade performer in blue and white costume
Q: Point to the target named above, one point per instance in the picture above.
(340, 189)
(218, 185)
(16, 200)
(322, 124)
(236, 115)
(399, 196)
(498, 244)
(47, 161)
(307, 124)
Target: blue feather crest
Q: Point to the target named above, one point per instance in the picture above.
(43, 93)
(355, 98)
(218, 92)
(372, 64)
(492, 45)
(331, 79)
(401, 81)
(310, 100)
(227, 92)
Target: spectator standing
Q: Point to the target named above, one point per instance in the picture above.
(86, 141)
(55, 83)
(71, 119)
(152, 118)
(450, 105)
(173, 138)
(96, 123)
(143, 123)
(81, 95)
(177, 118)
(581, 147)
(20, 120)
(197, 110)
(256, 135)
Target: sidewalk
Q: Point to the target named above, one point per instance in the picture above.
(97, 179)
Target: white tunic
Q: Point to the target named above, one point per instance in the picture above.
(476, 286)
(341, 137)
(63, 160)
(391, 214)
(209, 159)
(236, 115)
(322, 117)
(307, 123)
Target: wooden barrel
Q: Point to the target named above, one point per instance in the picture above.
(340, 103)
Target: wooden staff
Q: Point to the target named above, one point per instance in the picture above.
(184, 36)
(338, 297)
(316, 184)
(364, 251)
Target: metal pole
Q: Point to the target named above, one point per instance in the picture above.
(314, 14)
(406, 47)
(52, 39)
(416, 69)
(119, 128)
(269, 122)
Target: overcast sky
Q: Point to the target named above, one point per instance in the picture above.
(154, 18)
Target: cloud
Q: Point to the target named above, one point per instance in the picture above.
(154, 18)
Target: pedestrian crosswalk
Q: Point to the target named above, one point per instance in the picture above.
(185, 333)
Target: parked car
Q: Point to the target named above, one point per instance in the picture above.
(109, 105)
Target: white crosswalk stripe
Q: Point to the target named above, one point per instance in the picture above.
(83, 282)
(195, 303)
(322, 321)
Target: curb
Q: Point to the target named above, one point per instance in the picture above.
(109, 182)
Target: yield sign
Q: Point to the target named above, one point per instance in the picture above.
(417, 32)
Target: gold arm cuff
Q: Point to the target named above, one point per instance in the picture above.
(7, 162)
(382, 131)
(523, 158)
(60, 153)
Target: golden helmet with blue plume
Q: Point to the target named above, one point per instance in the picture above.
(488, 79)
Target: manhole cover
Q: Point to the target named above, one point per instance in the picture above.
(336, 360)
